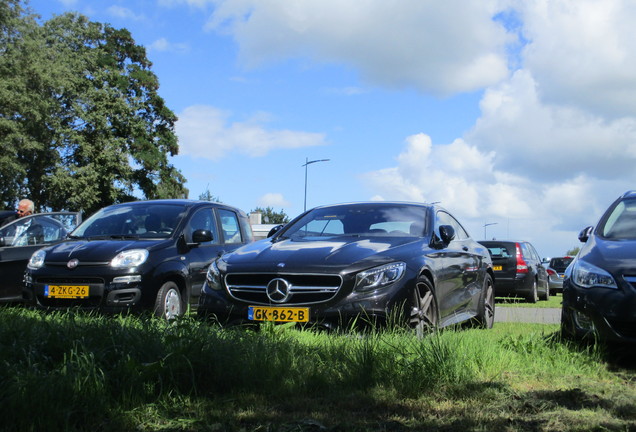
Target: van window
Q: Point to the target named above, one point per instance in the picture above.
(204, 219)
(230, 226)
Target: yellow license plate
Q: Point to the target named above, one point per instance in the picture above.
(66, 291)
(497, 268)
(278, 314)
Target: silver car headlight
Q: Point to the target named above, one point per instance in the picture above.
(213, 277)
(587, 275)
(130, 258)
(379, 277)
(37, 260)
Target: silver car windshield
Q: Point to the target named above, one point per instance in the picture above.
(360, 220)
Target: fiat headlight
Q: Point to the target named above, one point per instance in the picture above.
(213, 278)
(130, 258)
(379, 277)
(37, 260)
(587, 275)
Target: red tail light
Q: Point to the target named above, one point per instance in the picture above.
(551, 272)
(522, 266)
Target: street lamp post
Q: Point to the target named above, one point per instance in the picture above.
(486, 225)
(307, 162)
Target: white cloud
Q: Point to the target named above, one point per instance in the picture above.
(439, 47)
(193, 3)
(551, 142)
(207, 132)
(583, 53)
(348, 91)
(464, 180)
(123, 13)
(274, 200)
(456, 174)
(163, 45)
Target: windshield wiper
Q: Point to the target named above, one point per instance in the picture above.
(124, 237)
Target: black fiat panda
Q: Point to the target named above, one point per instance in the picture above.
(143, 255)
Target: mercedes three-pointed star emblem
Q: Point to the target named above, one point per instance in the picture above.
(278, 290)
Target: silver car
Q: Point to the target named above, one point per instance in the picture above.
(556, 269)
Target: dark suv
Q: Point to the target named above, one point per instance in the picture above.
(144, 255)
(518, 270)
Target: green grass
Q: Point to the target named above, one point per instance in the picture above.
(77, 372)
(553, 302)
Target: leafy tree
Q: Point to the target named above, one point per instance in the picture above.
(572, 252)
(81, 117)
(269, 216)
(17, 29)
(207, 196)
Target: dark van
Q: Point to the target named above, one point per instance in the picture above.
(518, 270)
(144, 255)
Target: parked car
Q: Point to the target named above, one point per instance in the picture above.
(7, 216)
(556, 269)
(20, 238)
(359, 262)
(144, 255)
(518, 270)
(599, 287)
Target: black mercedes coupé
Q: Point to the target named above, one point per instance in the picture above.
(360, 262)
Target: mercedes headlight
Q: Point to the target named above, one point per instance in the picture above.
(37, 260)
(379, 277)
(130, 258)
(587, 275)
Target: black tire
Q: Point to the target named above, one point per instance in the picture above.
(533, 297)
(168, 304)
(486, 308)
(423, 312)
(546, 295)
(568, 328)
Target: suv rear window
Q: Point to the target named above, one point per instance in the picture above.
(500, 252)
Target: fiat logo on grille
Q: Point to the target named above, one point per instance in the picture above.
(72, 263)
(278, 290)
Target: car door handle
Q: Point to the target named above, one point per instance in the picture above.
(465, 248)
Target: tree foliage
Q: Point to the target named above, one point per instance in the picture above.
(207, 196)
(269, 216)
(81, 123)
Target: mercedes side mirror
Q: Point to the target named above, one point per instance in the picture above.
(274, 230)
(447, 233)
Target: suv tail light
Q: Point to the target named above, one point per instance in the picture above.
(551, 272)
(522, 266)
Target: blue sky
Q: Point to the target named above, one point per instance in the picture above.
(519, 114)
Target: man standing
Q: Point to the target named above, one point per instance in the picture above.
(25, 208)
